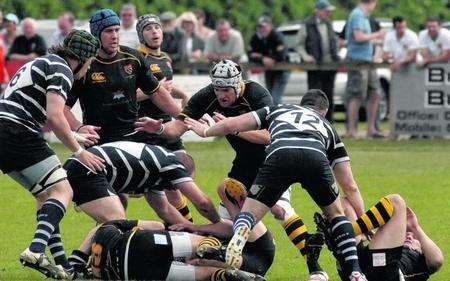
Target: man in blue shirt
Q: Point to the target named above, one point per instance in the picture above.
(361, 83)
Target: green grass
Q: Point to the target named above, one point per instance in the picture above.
(418, 170)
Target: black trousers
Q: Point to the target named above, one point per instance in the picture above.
(323, 80)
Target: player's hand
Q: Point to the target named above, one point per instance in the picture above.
(182, 226)
(198, 127)
(207, 262)
(86, 138)
(89, 129)
(166, 84)
(147, 124)
(268, 61)
(411, 220)
(91, 160)
(218, 117)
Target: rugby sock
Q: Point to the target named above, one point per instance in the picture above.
(184, 210)
(57, 249)
(48, 218)
(378, 215)
(218, 275)
(344, 239)
(297, 232)
(209, 242)
(242, 226)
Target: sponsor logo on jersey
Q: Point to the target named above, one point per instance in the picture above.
(128, 68)
(255, 189)
(118, 95)
(155, 68)
(98, 77)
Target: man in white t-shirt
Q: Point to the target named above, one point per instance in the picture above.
(127, 32)
(434, 42)
(400, 44)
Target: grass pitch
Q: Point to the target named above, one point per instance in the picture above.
(418, 170)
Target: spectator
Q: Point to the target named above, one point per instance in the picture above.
(267, 47)
(318, 43)
(225, 43)
(400, 44)
(361, 84)
(66, 21)
(10, 33)
(29, 45)
(193, 45)
(434, 42)
(4, 78)
(127, 33)
(202, 30)
(172, 36)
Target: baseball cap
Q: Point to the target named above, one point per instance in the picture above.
(167, 16)
(12, 17)
(324, 5)
(264, 20)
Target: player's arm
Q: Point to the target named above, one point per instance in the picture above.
(178, 93)
(241, 123)
(163, 208)
(432, 252)
(256, 136)
(343, 173)
(58, 123)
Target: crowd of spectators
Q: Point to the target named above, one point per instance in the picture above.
(188, 39)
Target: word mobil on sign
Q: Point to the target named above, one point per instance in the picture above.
(420, 100)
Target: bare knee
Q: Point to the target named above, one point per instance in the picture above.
(278, 212)
(398, 204)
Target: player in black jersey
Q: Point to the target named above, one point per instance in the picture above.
(259, 252)
(143, 250)
(149, 30)
(227, 96)
(399, 249)
(303, 145)
(107, 93)
(134, 168)
(35, 95)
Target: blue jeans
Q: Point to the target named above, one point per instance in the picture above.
(276, 83)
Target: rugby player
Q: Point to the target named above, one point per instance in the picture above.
(399, 250)
(302, 148)
(229, 95)
(259, 252)
(142, 250)
(134, 168)
(36, 94)
(108, 92)
(150, 35)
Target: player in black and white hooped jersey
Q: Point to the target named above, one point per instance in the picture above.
(35, 95)
(303, 149)
(134, 168)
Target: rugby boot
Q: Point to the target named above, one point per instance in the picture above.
(41, 263)
(234, 274)
(357, 276)
(233, 256)
(212, 253)
(318, 276)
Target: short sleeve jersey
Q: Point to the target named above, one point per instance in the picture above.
(25, 99)
(399, 47)
(107, 93)
(435, 45)
(358, 20)
(161, 67)
(293, 126)
(254, 97)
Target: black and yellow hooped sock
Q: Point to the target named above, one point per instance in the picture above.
(378, 215)
(218, 275)
(297, 232)
(184, 210)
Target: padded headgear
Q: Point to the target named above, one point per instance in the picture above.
(142, 22)
(235, 191)
(102, 19)
(81, 44)
(226, 74)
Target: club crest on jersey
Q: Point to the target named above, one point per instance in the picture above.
(128, 68)
(98, 77)
(155, 68)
